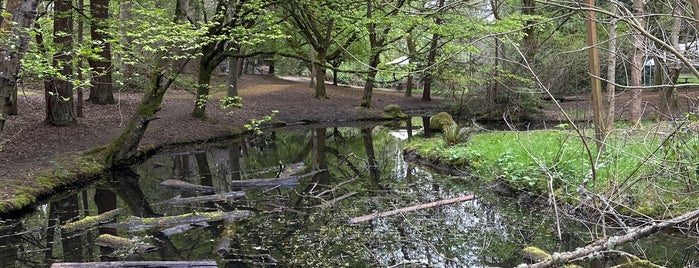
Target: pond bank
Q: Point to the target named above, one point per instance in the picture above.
(36, 159)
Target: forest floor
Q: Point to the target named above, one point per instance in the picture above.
(29, 146)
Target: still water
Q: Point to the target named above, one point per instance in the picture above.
(342, 173)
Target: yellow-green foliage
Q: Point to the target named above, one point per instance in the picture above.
(440, 120)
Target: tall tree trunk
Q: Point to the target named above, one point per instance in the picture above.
(374, 47)
(611, 72)
(637, 68)
(232, 78)
(59, 94)
(124, 16)
(529, 43)
(412, 51)
(23, 16)
(313, 70)
(203, 81)
(81, 28)
(431, 59)
(101, 90)
(320, 75)
(667, 101)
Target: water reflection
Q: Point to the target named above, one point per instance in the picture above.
(358, 171)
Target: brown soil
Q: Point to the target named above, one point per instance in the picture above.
(28, 145)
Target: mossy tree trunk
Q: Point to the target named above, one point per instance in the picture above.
(121, 151)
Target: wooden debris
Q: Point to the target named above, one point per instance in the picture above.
(409, 209)
(273, 182)
(181, 228)
(227, 232)
(123, 244)
(254, 258)
(204, 198)
(138, 224)
(333, 201)
(139, 264)
(260, 183)
(614, 241)
(178, 185)
(91, 221)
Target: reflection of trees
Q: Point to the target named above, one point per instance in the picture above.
(371, 156)
(126, 186)
(9, 243)
(68, 210)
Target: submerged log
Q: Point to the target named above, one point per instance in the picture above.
(139, 264)
(123, 244)
(412, 208)
(204, 198)
(138, 224)
(292, 181)
(281, 182)
(181, 228)
(227, 232)
(178, 185)
(91, 221)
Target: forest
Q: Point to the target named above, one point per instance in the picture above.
(612, 85)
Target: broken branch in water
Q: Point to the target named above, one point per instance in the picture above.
(172, 184)
(91, 221)
(204, 198)
(181, 228)
(611, 242)
(412, 208)
(138, 224)
(273, 182)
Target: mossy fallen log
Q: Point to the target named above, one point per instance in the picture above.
(123, 244)
(91, 221)
(204, 198)
(139, 224)
(178, 185)
(227, 232)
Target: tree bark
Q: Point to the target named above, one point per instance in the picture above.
(101, 90)
(636, 105)
(667, 101)
(529, 43)
(124, 16)
(23, 16)
(412, 51)
(203, 81)
(611, 72)
(59, 94)
(320, 75)
(431, 59)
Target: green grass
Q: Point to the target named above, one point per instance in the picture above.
(651, 176)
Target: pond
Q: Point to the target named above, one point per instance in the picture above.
(334, 174)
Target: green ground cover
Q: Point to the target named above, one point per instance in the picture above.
(651, 171)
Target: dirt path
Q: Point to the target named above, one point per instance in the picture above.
(28, 145)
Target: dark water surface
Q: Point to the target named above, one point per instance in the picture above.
(307, 225)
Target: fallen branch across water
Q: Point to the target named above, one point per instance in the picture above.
(204, 198)
(612, 242)
(292, 181)
(172, 184)
(412, 208)
(138, 224)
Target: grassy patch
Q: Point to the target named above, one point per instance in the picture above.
(651, 172)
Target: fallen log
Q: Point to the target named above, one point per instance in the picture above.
(292, 169)
(178, 185)
(260, 183)
(123, 244)
(139, 264)
(138, 224)
(227, 232)
(292, 181)
(181, 228)
(204, 198)
(91, 221)
(411, 208)
(326, 204)
(610, 243)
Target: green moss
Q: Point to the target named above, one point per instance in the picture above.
(536, 254)
(440, 120)
(393, 111)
